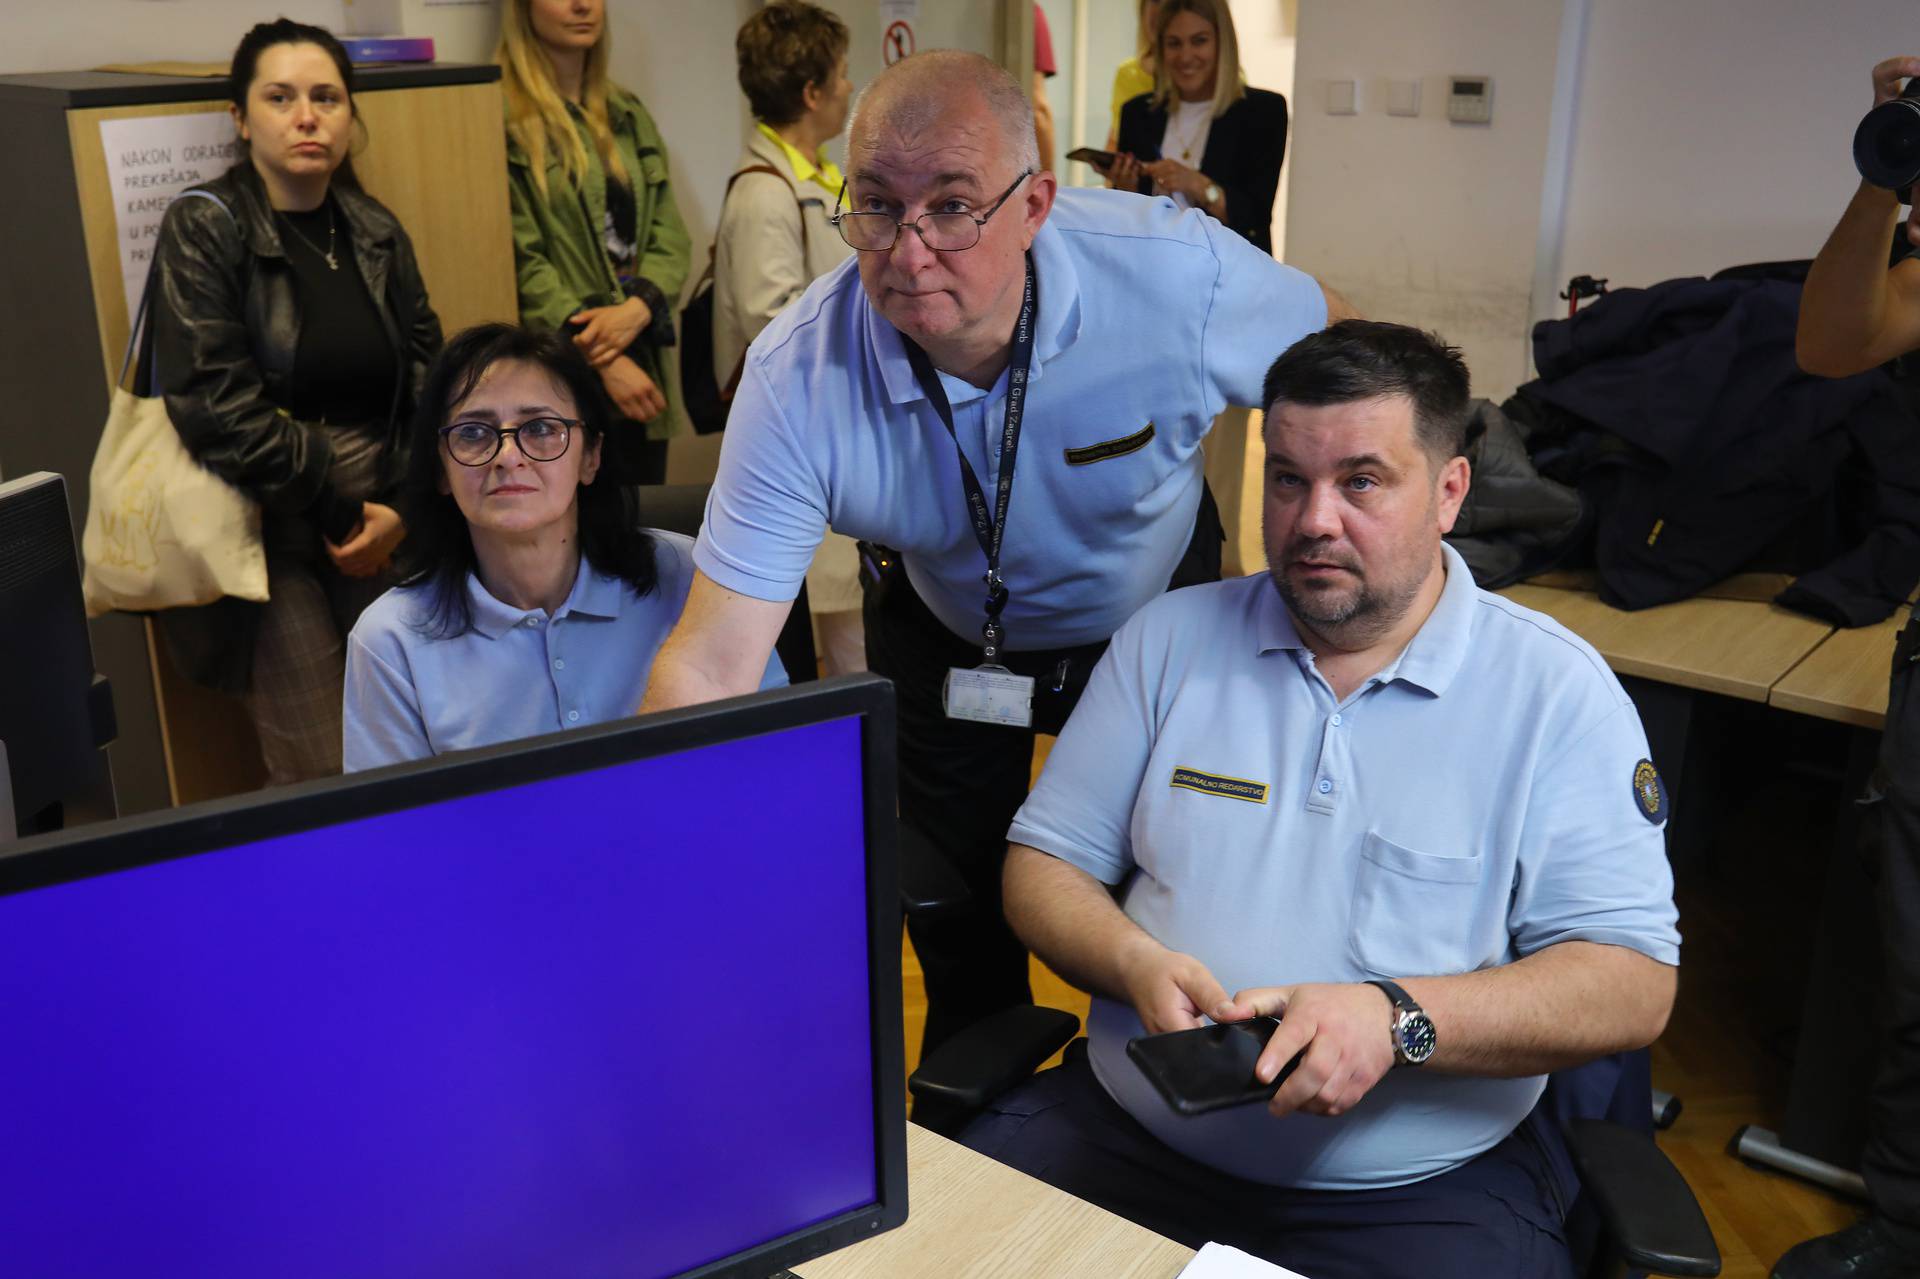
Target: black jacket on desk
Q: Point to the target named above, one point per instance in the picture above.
(223, 329)
(1681, 413)
(1245, 147)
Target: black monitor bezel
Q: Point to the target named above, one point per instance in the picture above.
(132, 842)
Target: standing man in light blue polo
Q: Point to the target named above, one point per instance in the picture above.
(986, 327)
(1413, 819)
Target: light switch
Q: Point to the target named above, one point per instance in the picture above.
(1341, 98)
(1403, 97)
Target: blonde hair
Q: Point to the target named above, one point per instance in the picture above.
(537, 116)
(1229, 81)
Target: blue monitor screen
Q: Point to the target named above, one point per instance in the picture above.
(614, 1023)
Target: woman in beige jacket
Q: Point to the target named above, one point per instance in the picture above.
(774, 240)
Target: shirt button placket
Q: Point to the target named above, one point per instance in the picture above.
(1323, 793)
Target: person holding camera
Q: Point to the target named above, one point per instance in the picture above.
(1858, 311)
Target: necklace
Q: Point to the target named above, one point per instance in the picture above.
(1186, 139)
(333, 263)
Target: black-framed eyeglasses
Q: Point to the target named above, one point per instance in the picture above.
(539, 439)
(941, 232)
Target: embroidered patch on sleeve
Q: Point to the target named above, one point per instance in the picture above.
(1650, 792)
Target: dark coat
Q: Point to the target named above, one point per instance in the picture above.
(1515, 521)
(224, 327)
(1245, 148)
(1703, 450)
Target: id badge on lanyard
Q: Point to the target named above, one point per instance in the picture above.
(989, 693)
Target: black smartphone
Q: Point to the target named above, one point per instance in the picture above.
(1210, 1067)
(1088, 155)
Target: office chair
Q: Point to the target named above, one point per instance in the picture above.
(679, 508)
(1636, 1213)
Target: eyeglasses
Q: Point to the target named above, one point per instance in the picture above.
(539, 439)
(941, 232)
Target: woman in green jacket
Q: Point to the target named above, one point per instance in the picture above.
(599, 246)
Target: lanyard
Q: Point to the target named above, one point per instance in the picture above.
(989, 530)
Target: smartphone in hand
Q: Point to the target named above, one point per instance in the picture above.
(1102, 160)
(1210, 1067)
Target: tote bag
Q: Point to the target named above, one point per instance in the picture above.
(162, 531)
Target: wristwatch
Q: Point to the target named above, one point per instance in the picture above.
(1413, 1035)
(1211, 195)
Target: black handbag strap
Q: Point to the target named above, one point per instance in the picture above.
(713, 255)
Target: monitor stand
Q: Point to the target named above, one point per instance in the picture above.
(8, 825)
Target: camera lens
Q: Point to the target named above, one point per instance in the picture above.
(1886, 147)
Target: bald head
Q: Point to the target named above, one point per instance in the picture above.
(918, 93)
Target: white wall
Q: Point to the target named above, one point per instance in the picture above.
(1715, 132)
(1417, 219)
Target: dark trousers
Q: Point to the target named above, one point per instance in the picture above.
(1498, 1216)
(1891, 1160)
(962, 782)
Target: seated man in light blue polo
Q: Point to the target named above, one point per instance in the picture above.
(1006, 381)
(1413, 819)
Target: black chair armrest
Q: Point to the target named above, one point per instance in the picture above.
(929, 885)
(991, 1056)
(1651, 1215)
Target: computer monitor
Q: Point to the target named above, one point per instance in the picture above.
(55, 713)
(624, 1002)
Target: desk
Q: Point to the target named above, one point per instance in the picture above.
(1844, 679)
(971, 1218)
(1738, 648)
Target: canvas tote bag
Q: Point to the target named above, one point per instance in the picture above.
(162, 531)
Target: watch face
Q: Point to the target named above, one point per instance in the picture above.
(1417, 1040)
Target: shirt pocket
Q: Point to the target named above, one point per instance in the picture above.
(1413, 912)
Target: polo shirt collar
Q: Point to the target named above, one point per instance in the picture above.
(593, 595)
(818, 168)
(1055, 329)
(1434, 655)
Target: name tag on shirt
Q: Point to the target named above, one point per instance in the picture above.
(990, 695)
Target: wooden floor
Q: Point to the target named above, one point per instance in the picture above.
(1724, 1054)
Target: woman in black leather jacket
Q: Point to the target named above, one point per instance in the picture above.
(290, 332)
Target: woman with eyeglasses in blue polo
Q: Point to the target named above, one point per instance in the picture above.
(530, 599)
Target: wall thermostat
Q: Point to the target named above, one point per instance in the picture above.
(1470, 99)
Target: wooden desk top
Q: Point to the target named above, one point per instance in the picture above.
(971, 1218)
(1844, 679)
(1739, 648)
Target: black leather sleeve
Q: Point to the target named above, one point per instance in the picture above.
(211, 384)
(418, 323)
(420, 329)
